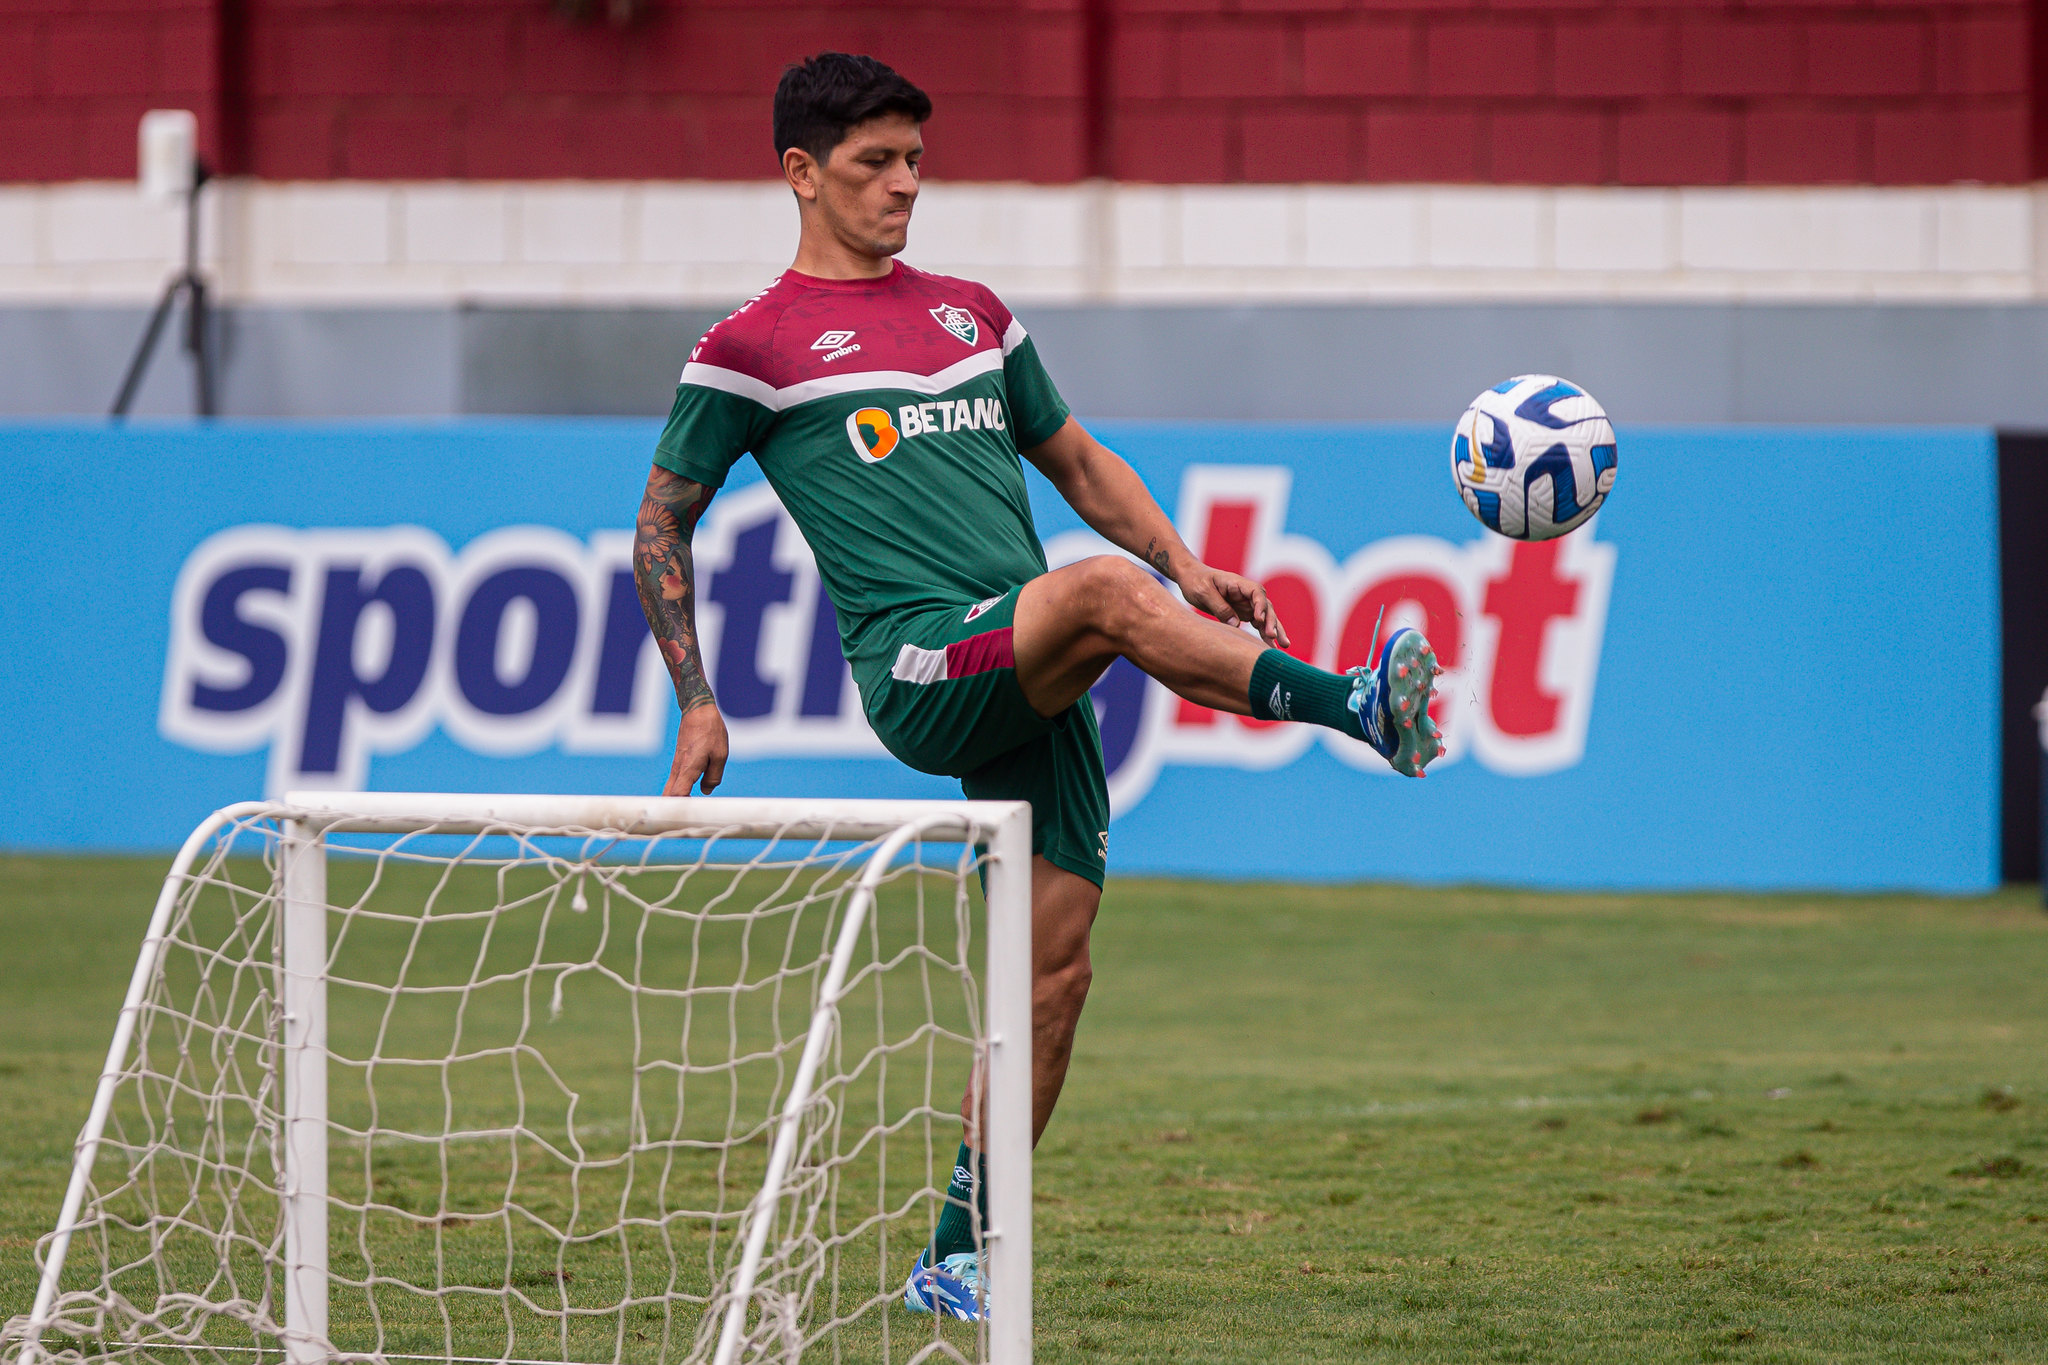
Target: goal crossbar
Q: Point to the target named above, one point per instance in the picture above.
(1003, 828)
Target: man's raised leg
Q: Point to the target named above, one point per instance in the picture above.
(1072, 623)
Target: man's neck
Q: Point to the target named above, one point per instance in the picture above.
(823, 256)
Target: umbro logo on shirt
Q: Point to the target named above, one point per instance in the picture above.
(958, 321)
(836, 341)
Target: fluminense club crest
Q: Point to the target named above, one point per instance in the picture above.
(958, 321)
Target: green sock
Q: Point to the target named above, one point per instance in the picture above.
(955, 1232)
(1285, 688)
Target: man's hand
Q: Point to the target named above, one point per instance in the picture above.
(1232, 600)
(700, 752)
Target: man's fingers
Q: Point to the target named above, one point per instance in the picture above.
(689, 765)
(1215, 603)
(1276, 634)
(682, 777)
(1263, 619)
(1251, 602)
(1269, 622)
(705, 768)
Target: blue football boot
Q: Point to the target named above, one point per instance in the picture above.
(952, 1287)
(1392, 702)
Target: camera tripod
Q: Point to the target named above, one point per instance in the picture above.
(190, 283)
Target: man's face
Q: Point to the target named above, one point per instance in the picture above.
(867, 185)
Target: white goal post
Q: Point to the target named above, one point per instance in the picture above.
(470, 920)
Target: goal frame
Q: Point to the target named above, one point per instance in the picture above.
(306, 818)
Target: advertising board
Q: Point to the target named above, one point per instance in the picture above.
(2023, 636)
(1721, 681)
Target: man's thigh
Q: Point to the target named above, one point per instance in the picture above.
(1062, 647)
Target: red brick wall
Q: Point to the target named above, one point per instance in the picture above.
(1636, 92)
(506, 89)
(75, 78)
(1535, 91)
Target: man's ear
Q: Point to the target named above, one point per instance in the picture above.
(800, 168)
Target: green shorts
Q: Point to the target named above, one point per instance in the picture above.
(950, 704)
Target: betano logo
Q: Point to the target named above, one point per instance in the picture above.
(328, 647)
(874, 435)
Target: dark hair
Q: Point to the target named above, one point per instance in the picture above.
(820, 99)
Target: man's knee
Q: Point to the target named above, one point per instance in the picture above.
(1119, 595)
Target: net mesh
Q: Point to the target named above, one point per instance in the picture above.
(556, 1061)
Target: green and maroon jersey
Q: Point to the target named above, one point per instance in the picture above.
(887, 414)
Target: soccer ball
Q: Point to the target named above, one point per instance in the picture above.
(1533, 457)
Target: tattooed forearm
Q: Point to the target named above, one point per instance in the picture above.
(667, 578)
(1155, 556)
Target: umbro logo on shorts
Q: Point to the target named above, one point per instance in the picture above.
(979, 607)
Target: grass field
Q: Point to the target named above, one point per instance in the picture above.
(1363, 1123)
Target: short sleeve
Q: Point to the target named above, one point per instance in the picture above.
(1036, 408)
(708, 429)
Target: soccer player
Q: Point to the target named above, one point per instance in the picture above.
(888, 408)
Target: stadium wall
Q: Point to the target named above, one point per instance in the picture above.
(1830, 304)
(1641, 92)
(493, 205)
(1691, 691)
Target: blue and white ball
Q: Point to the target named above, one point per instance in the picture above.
(1533, 457)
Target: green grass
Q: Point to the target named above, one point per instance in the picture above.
(1362, 1123)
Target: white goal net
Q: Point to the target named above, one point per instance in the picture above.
(561, 1079)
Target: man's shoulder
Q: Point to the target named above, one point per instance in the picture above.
(743, 342)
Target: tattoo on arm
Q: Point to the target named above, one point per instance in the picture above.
(667, 578)
(1155, 556)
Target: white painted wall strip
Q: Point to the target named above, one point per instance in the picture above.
(699, 244)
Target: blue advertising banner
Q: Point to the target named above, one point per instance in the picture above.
(1771, 661)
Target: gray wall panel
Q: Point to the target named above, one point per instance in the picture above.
(65, 361)
(1927, 363)
(341, 362)
(577, 361)
(1647, 362)
(271, 362)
